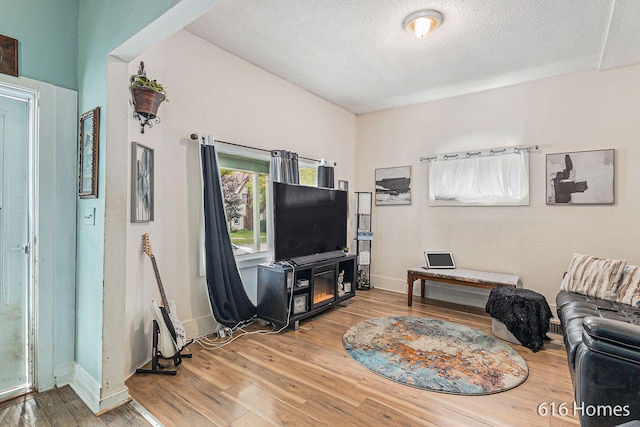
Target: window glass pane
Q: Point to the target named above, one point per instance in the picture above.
(245, 203)
(308, 175)
(261, 212)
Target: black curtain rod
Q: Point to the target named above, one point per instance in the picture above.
(194, 136)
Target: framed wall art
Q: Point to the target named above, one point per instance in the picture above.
(393, 186)
(581, 178)
(141, 183)
(88, 145)
(8, 56)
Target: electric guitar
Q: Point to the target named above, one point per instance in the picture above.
(172, 334)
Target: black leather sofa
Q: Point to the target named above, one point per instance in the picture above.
(602, 340)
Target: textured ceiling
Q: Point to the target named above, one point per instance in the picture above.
(355, 53)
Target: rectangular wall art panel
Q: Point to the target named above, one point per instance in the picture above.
(393, 186)
(581, 178)
(141, 183)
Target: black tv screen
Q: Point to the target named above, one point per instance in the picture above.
(308, 220)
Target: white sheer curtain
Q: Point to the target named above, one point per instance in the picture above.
(500, 179)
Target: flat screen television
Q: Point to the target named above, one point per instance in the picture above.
(308, 220)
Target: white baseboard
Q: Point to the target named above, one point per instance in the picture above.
(86, 388)
(202, 326)
(116, 399)
(63, 379)
(89, 390)
(194, 328)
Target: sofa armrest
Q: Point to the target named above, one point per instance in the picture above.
(612, 338)
(613, 331)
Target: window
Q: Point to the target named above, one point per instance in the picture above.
(495, 178)
(245, 180)
(244, 184)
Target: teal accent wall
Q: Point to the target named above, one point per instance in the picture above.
(67, 43)
(103, 26)
(47, 33)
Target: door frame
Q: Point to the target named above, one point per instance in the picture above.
(31, 97)
(53, 183)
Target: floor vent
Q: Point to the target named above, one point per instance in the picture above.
(554, 328)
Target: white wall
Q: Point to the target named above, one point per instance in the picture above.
(585, 111)
(210, 91)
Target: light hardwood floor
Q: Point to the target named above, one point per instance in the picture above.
(305, 378)
(62, 408)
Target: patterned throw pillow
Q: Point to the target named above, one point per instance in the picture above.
(629, 289)
(596, 277)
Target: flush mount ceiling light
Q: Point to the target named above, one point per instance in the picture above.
(422, 23)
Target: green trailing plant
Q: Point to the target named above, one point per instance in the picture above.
(142, 81)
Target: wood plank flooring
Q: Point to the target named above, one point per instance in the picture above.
(61, 408)
(305, 378)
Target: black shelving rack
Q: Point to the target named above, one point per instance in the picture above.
(364, 239)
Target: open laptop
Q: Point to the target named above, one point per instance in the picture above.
(438, 260)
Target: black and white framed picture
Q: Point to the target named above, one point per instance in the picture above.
(141, 183)
(393, 186)
(343, 185)
(581, 178)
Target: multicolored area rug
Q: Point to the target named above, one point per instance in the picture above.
(435, 355)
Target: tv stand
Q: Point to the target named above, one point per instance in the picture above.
(310, 259)
(288, 292)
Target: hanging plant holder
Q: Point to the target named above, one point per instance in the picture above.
(146, 103)
(146, 97)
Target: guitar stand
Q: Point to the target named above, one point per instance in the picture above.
(156, 366)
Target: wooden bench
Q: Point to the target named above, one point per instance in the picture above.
(459, 276)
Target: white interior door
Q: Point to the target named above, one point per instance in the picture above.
(15, 359)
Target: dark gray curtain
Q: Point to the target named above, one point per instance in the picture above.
(227, 295)
(284, 167)
(325, 176)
